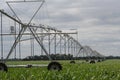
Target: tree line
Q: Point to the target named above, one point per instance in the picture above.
(66, 57)
(53, 56)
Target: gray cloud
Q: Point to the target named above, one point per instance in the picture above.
(105, 12)
(97, 21)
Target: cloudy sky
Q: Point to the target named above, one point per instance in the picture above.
(97, 21)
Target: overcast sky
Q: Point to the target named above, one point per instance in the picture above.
(97, 21)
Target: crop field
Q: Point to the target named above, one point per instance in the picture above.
(106, 70)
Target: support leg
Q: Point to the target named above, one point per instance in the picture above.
(16, 41)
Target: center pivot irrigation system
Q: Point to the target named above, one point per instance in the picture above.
(58, 41)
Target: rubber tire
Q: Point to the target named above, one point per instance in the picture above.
(87, 60)
(92, 61)
(28, 66)
(3, 67)
(54, 66)
(99, 60)
(72, 62)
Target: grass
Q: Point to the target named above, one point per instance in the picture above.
(107, 70)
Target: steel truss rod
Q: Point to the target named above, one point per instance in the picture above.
(17, 16)
(85, 52)
(39, 41)
(68, 46)
(58, 42)
(16, 41)
(36, 36)
(36, 12)
(13, 11)
(11, 17)
(1, 38)
(32, 46)
(67, 41)
(88, 50)
(49, 43)
(19, 44)
(55, 44)
(19, 35)
(24, 1)
(33, 38)
(24, 27)
(47, 33)
(52, 38)
(26, 39)
(79, 51)
(46, 27)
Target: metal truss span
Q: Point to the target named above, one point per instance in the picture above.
(49, 39)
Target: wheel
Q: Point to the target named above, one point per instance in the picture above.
(99, 60)
(29, 66)
(87, 60)
(54, 66)
(3, 67)
(92, 61)
(72, 62)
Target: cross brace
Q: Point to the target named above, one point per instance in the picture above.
(23, 28)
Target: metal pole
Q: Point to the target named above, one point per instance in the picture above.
(77, 36)
(41, 42)
(71, 48)
(76, 48)
(19, 45)
(65, 45)
(1, 40)
(68, 46)
(31, 46)
(49, 43)
(60, 44)
(55, 45)
(15, 39)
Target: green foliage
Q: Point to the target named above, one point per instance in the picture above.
(107, 70)
(53, 56)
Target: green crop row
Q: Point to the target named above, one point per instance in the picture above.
(106, 70)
